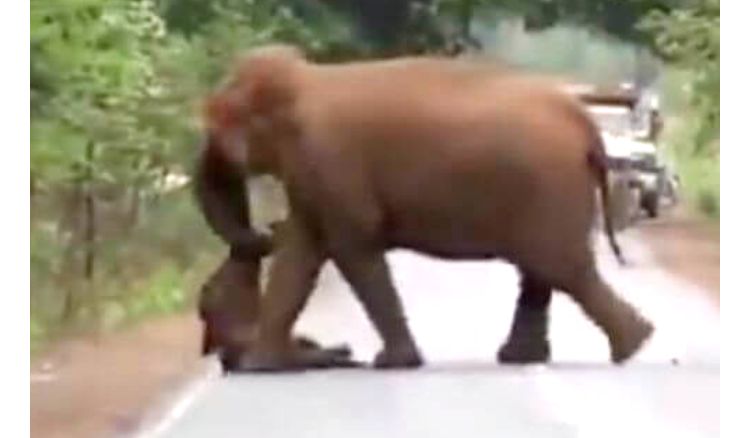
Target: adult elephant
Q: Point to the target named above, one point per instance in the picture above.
(438, 156)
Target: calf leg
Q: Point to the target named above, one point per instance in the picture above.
(527, 342)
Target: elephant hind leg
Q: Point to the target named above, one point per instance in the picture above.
(527, 341)
(625, 328)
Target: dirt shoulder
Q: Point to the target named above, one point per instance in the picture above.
(687, 246)
(102, 387)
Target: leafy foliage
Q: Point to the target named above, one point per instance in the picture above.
(446, 23)
(114, 94)
(85, 92)
(690, 38)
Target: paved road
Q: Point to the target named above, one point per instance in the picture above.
(460, 312)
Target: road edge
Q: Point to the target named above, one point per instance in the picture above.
(172, 405)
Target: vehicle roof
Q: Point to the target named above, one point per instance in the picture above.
(591, 94)
(612, 98)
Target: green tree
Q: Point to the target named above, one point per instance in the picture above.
(115, 97)
(392, 24)
(89, 141)
(689, 38)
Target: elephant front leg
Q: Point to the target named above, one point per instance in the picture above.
(294, 272)
(368, 274)
(527, 342)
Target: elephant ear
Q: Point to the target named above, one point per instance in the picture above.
(224, 110)
(268, 77)
(261, 87)
(225, 114)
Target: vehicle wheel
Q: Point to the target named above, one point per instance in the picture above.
(622, 203)
(634, 205)
(650, 203)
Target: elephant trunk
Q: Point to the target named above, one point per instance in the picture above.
(220, 191)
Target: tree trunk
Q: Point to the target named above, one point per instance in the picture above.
(89, 216)
(134, 210)
(72, 221)
(466, 14)
(90, 234)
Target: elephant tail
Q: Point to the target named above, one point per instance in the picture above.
(598, 160)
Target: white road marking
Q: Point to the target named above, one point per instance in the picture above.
(43, 377)
(178, 405)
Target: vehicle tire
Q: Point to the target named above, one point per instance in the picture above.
(650, 203)
(622, 203)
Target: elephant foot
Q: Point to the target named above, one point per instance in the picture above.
(398, 358)
(630, 340)
(305, 354)
(526, 351)
(527, 342)
(305, 342)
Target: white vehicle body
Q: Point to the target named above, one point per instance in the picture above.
(624, 143)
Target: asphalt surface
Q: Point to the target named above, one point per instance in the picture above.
(460, 312)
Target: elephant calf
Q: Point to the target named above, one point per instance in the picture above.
(229, 300)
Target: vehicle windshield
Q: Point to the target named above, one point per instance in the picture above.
(615, 120)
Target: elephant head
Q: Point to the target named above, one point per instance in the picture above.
(241, 121)
(243, 115)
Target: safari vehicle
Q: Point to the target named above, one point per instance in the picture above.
(630, 124)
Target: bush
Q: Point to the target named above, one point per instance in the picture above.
(115, 88)
(155, 268)
(698, 168)
(700, 174)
